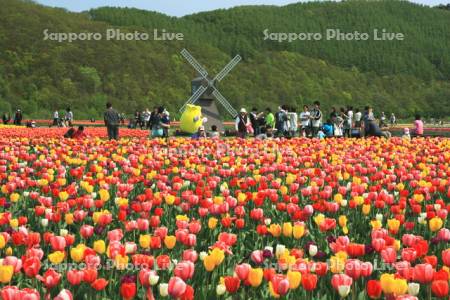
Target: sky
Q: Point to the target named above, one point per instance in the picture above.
(178, 7)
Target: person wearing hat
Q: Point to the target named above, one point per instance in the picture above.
(165, 120)
(242, 123)
(406, 134)
(201, 133)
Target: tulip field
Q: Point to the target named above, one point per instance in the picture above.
(222, 219)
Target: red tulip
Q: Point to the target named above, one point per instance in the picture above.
(58, 243)
(446, 257)
(50, 279)
(99, 284)
(409, 254)
(373, 289)
(389, 255)
(309, 281)
(440, 288)
(280, 284)
(353, 268)
(31, 266)
(177, 287)
(232, 284)
(128, 290)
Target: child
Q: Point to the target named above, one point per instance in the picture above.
(406, 134)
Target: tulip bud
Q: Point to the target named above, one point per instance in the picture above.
(163, 289)
(413, 288)
(220, 289)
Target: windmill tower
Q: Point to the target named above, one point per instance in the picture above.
(205, 92)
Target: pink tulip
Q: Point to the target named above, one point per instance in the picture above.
(409, 254)
(338, 280)
(353, 268)
(86, 231)
(389, 255)
(444, 234)
(184, 270)
(9, 293)
(177, 287)
(378, 244)
(190, 254)
(115, 235)
(423, 273)
(242, 271)
(58, 243)
(257, 256)
(64, 295)
(366, 269)
(446, 257)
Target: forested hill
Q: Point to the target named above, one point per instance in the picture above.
(405, 77)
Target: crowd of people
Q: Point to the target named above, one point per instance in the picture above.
(285, 122)
(311, 122)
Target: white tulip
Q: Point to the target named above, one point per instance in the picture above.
(379, 217)
(202, 255)
(153, 279)
(413, 288)
(343, 203)
(312, 250)
(63, 232)
(344, 290)
(163, 289)
(279, 250)
(220, 289)
(44, 222)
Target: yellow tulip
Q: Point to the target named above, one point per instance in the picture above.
(14, 197)
(366, 209)
(338, 198)
(63, 196)
(77, 253)
(170, 199)
(68, 218)
(255, 277)
(393, 224)
(121, 261)
(218, 255)
(14, 223)
(9, 251)
(287, 229)
(337, 264)
(56, 257)
(435, 224)
(275, 230)
(342, 221)
(319, 219)
(212, 223)
(387, 283)
(104, 194)
(100, 246)
(400, 287)
(144, 240)
(294, 278)
(209, 263)
(298, 231)
(6, 273)
(170, 241)
(2, 242)
(376, 224)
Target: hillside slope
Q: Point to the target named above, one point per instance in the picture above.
(39, 76)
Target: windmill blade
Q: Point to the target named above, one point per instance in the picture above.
(227, 69)
(194, 97)
(197, 66)
(225, 103)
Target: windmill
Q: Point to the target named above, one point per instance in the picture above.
(205, 92)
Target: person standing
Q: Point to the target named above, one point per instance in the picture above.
(18, 117)
(305, 121)
(255, 120)
(55, 118)
(418, 126)
(112, 121)
(270, 118)
(293, 122)
(316, 118)
(69, 117)
(242, 123)
(347, 125)
(393, 119)
(165, 120)
(6, 118)
(358, 117)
